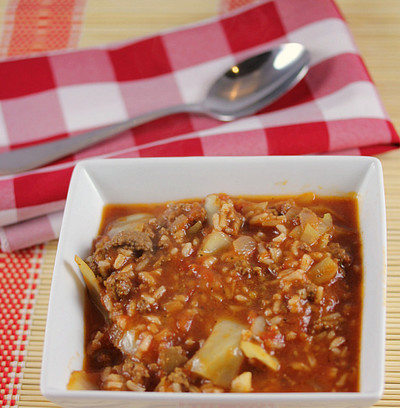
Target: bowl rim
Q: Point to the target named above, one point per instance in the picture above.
(93, 165)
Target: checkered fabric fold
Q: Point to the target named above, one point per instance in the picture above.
(334, 110)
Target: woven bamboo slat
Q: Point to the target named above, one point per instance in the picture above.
(375, 26)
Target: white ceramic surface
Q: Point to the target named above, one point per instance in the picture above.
(98, 182)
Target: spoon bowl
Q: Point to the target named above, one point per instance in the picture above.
(243, 90)
(256, 82)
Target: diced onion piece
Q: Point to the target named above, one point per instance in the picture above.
(244, 245)
(129, 342)
(215, 242)
(296, 232)
(92, 284)
(219, 358)
(292, 213)
(308, 217)
(326, 224)
(81, 380)
(212, 204)
(252, 350)
(242, 383)
(258, 325)
(310, 235)
(323, 271)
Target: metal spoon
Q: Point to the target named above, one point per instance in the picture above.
(243, 90)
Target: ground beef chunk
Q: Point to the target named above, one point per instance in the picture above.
(102, 352)
(129, 376)
(119, 284)
(183, 215)
(137, 372)
(177, 381)
(284, 206)
(339, 253)
(130, 239)
(228, 219)
(136, 242)
(91, 262)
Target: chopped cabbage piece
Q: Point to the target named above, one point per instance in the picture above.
(326, 224)
(219, 358)
(131, 222)
(308, 217)
(92, 285)
(310, 235)
(242, 383)
(323, 271)
(244, 245)
(172, 357)
(252, 350)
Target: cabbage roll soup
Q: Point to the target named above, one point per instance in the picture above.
(224, 294)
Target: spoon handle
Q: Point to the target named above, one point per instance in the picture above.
(27, 158)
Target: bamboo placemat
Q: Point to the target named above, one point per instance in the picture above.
(375, 25)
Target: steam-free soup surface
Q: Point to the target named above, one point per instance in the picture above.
(226, 294)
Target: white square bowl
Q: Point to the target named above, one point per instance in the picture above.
(98, 182)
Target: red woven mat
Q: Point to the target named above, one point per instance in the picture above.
(29, 26)
(19, 280)
(41, 25)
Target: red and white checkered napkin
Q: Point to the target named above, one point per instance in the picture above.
(335, 109)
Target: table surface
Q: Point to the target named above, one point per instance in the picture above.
(375, 25)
